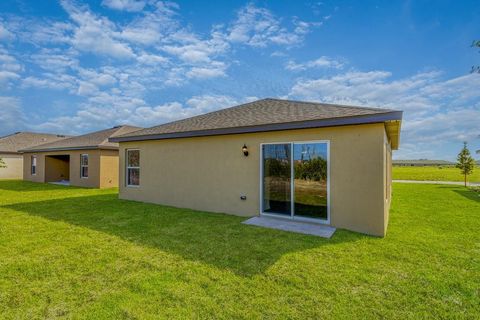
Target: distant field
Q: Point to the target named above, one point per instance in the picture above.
(433, 174)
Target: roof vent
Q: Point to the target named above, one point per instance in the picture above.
(115, 127)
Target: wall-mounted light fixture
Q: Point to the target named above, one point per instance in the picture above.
(245, 150)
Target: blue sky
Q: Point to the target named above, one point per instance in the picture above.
(77, 66)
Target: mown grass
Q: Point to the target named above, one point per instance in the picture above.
(82, 253)
(433, 173)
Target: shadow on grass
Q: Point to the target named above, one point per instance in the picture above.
(27, 186)
(216, 239)
(469, 194)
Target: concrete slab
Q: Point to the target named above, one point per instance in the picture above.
(314, 229)
(61, 183)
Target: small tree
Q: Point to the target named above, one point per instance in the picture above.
(475, 68)
(2, 163)
(465, 162)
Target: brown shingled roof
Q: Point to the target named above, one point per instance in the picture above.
(21, 140)
(94, 140)
(264, 115)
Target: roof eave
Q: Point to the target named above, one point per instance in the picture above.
(392, 128)
(332, 122)
(69, 149)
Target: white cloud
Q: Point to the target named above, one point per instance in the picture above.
(127, 5)
(369, 88)
(322, 62)
(152, 59)
(258, 27)
(54, 60)
(215, 69)
(104, 109)
(4, 33)
(152, 26)
(12, 117)
(48, 81)
(437, 112)
(7, 76)
(96, 34)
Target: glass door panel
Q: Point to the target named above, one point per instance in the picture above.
(310, 184)
(276, 162)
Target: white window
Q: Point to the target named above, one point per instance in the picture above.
(133, 167)
(84, 166)
(33, 169)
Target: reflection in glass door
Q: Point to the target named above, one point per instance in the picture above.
(310, 184)
(276, 162)
(295, 179)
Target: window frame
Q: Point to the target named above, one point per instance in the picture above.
(33, 168)
(127, 167)
(84, 166)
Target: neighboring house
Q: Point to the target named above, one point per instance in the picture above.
(88, 160)
(10, 146)
(421, 163)
(314, 162)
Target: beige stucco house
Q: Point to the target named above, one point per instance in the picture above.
(11, 145)
(322, 163)
(88, 160)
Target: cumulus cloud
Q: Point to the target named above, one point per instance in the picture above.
(126, 5)
(54, 60)
(322, 62)
(12, 117)
(436, 110)
(5, 34)
(258, 27)
(96, 34)
(105, 109)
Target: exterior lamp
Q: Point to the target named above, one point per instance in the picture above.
(245, 150)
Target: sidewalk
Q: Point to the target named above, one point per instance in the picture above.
(457, 183)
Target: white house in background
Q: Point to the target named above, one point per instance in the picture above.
(10, 146)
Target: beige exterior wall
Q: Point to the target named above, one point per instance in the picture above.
(211, 173)
(14, 169)
(109, 169)
(97, 178)
(387, 172)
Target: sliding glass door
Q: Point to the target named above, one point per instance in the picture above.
(295, 179)
(277, 183)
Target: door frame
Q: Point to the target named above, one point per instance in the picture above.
(292, 183)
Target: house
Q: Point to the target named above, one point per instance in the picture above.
(421, 163)
(13, 158)
(321, 163)
(88, 160)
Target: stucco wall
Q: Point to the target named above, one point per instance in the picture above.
(94, 179)
(109, 169)
(14, 169)
(211, 173)
(388, 179)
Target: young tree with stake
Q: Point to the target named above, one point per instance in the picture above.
(465, 162)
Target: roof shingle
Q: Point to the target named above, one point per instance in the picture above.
(21, 140)
(266, 113)
(94, 140)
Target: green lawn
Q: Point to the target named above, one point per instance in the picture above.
(80, 253)
(433, 174)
